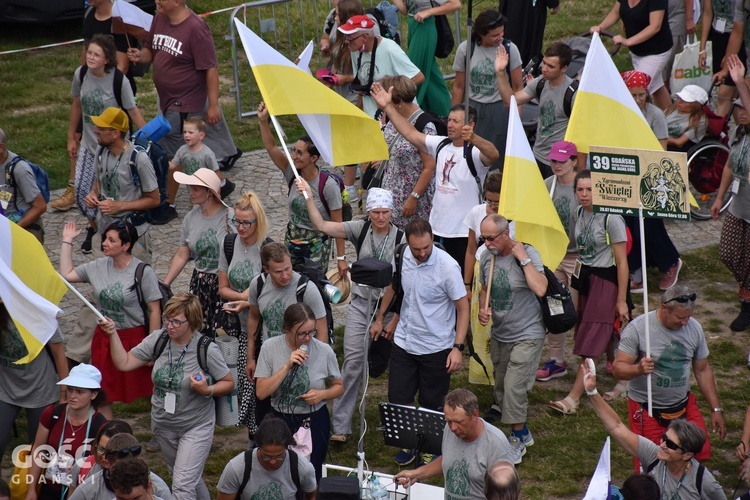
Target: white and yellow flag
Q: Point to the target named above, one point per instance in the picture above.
(30, 288)
(604, 113)
(524, 197)
(343, 133)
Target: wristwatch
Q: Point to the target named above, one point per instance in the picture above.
(525, 261)
(415, 195)
(460, 347)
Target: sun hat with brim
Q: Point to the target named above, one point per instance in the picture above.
(203, 177)
(83, 376)
(342, 284)
(357, 24)
(112, 118)
(693, 93)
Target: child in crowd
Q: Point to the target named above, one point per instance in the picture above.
(686, 120)
(190, 157)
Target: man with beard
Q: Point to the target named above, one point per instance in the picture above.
(518, 331)
(429, 331)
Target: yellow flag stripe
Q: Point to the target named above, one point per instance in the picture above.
(587, 125)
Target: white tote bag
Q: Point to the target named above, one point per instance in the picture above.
(686, 71)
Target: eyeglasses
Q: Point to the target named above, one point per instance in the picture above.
(100, 450)
(174, 322)
(124, 452)
(297, 152)
(351, 40)
(671, 444)
(267, 458)
(243, 223)
(490, 238)
(683, 299)
(309, 333)
(493, 204)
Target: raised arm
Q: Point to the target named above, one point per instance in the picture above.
(277, 155)
(65, 266)
(502, 59)
(610, 419)
(383, 100)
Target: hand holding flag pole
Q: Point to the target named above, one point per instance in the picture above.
(284, 147)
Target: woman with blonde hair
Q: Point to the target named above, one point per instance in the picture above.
(239, 263)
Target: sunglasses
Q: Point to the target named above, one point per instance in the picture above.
(309, 333)
(671, 444)
(124, 452)
(683, 299)
(243, 223)
(351, 40)
(500, 21)
(489, 238)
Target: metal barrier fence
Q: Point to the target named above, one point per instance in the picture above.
(288, 26)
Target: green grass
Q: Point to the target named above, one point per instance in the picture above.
(35, 98)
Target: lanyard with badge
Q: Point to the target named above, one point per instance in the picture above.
(170, 399)
(107, 174)
(581, 240)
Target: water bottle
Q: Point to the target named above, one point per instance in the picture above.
(378, 491)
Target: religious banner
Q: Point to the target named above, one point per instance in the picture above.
(623, 178)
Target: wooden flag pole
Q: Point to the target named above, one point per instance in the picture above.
(489, 283)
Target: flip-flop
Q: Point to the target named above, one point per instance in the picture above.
(619, 392)
(566, 406)
(339, 438)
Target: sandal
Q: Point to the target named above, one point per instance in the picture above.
(619, 392)
(339, 438)
(566, 406)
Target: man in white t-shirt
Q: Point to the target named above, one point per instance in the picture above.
(458, 189)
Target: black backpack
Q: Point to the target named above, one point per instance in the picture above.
(166, 293)
(386, 30)
(204, 341)
(558, 310)
(310, 272)
(363, 235)
(469, 163)
(441, 123)
(229, 240)
(569, 93)
(293, 469)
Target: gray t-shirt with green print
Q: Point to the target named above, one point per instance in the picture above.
(273, 302)
(174, 377)
(298, 210)
(245, 266)
(516, 313)
(115, 291)
(205, 236)
(192, 161)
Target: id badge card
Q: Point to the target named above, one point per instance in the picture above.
(735, 186)
(721, 25)
(170, 403)
(577, 269)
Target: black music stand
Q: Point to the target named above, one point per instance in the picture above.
(420, 430)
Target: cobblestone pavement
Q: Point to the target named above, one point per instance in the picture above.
(255, 171)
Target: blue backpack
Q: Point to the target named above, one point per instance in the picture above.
(42, 179)
(160, 162)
